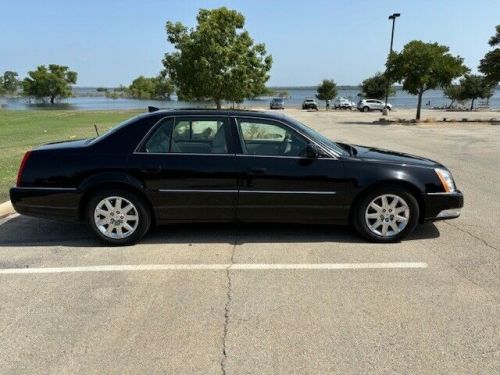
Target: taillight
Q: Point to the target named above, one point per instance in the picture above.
(21, 168)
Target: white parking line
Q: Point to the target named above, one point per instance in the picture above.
(215, 267)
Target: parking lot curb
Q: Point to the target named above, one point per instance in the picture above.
(6, 209)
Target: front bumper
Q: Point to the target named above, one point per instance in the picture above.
(50, 203)
(443, 206)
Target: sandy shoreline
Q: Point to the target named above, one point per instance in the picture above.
(427, 115)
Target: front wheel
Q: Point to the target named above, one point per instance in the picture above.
(118, 217)
(366, 109)
(388, 214)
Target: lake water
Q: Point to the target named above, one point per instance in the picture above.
(296, 95)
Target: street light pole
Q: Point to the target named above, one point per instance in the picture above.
(393, 18)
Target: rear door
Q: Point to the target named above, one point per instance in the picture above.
(279, 183)
(188, 166)
(378, 104)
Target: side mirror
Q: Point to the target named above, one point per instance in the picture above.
(312, 151)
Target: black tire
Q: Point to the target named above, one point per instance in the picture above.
(366, 109)
(359, 210)
(141, 208)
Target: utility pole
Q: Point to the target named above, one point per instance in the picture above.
(393, 18)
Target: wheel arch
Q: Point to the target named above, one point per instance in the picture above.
(407, 185)
(121, 181)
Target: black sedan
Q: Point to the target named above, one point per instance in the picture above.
(214, 166)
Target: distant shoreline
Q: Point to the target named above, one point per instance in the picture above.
(307, 87)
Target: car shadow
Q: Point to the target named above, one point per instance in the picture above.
(22, 231)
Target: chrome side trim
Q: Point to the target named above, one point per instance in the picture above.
(282, 157)
(288, 192)
(197, 190)
(45, 188)
(245, 191)
(443, 193)
(232, 155)
(179, 153)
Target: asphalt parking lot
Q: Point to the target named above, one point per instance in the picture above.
(254, 299)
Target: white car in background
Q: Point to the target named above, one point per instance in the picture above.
(366, 105)
(343, 103)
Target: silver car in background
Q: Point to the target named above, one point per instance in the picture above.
(277, 103)
(366, 105)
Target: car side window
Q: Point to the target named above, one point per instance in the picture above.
(199, 136)
(159, 142)
(261, 137)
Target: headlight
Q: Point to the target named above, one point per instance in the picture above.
(446, 179)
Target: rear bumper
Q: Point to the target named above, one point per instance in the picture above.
(443, 206)
(50, 203)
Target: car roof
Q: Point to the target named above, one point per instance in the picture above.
(216, 112)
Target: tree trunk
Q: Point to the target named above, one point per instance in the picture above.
(52, 98)
(218, 103)
(419, 103)
(472, 104)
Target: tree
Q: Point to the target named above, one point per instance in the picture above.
(424, 66)
(327, 90)
(217, 60)
(141, 88)
(473, 87)
(454, 93)
(52, 82)
(159, 87)
(10, 82)
(375, 87)
(490, 64)
(164, 87)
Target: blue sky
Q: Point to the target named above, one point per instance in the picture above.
(111, 42)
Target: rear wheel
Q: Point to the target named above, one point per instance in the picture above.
(118, 217)
(388, 214)
(366, 109)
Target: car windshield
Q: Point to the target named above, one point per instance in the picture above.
(318, 137)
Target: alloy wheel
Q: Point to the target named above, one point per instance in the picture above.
(387, 215)
(116, 217)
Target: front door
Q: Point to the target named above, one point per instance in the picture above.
(189, 169)
(279, 182)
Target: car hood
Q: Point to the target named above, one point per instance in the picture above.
(387, 156)
(63, 144)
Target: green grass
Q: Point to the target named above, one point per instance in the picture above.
(22, 130)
